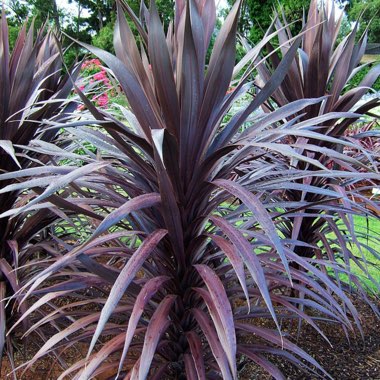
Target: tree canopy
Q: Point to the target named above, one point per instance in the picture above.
(256, 15)
(92, 20)
(368, 13)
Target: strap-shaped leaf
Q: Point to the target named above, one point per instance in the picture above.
(163, 71)
(250, 260)
(157, 326)
(190, 92)
(108, 274)
(74, 327)
(207, 10)
(213, 340)
(169, 204)
(36, 171)
(99, 357)
(276, 79)
(134, 204)
(263, 362)
(274, 338)
(3, 317)
(218, 302)
(260, 213)
(70, 257)
(236, 262)
(219, 72)
(136, 96)
(279, 114)
(42, 301)
(58, 183)
(125, 278)
(146, 293)
(196, 350)
(8, 147)
(191, 372)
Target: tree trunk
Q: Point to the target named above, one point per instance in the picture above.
(55, 15)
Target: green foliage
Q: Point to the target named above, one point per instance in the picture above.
(165, 10)
(14, 31)
(71, 56)
(95, 27)
(100, 14)
(104, 38)
(369, 10)
(368, 227)
(357, 78)
(42, 10)
(256, 16)
(345, 28)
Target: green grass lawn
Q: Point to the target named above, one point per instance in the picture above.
(372, 227)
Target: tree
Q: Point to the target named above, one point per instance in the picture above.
(43, 10)
(370, 16)
(256, 16)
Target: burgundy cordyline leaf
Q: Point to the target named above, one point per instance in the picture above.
(260, 213)
(212, 338)
(131, 58)
(250, 260)
(237, 120)
(157, 326)
(148, 290)
(100, 356)
(220, 302)
(194, 222)
(163, 71)
(2, 316)
(142, 201)
(235, 260)
(170, 210)
(67, 259)
(124, 279)
(33, 90)
(77, 325)
(191, 372)
(195, 344)
(62, 181)
(8, 147)
(273, 337)
(264, 363)
(43, 300)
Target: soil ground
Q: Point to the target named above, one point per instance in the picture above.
(354, 360)
(357, 359)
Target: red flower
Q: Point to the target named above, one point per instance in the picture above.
(231, 89)
(101, 100)
(101, 76)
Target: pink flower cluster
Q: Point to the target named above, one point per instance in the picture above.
(102, 77)
(101, 100)
(91, 62)
(93, 69)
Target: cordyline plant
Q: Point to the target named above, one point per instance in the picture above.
(323, 68)
(180, 271)
(367, 134)
(32, 90)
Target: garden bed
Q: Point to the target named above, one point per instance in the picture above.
(354, 360)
